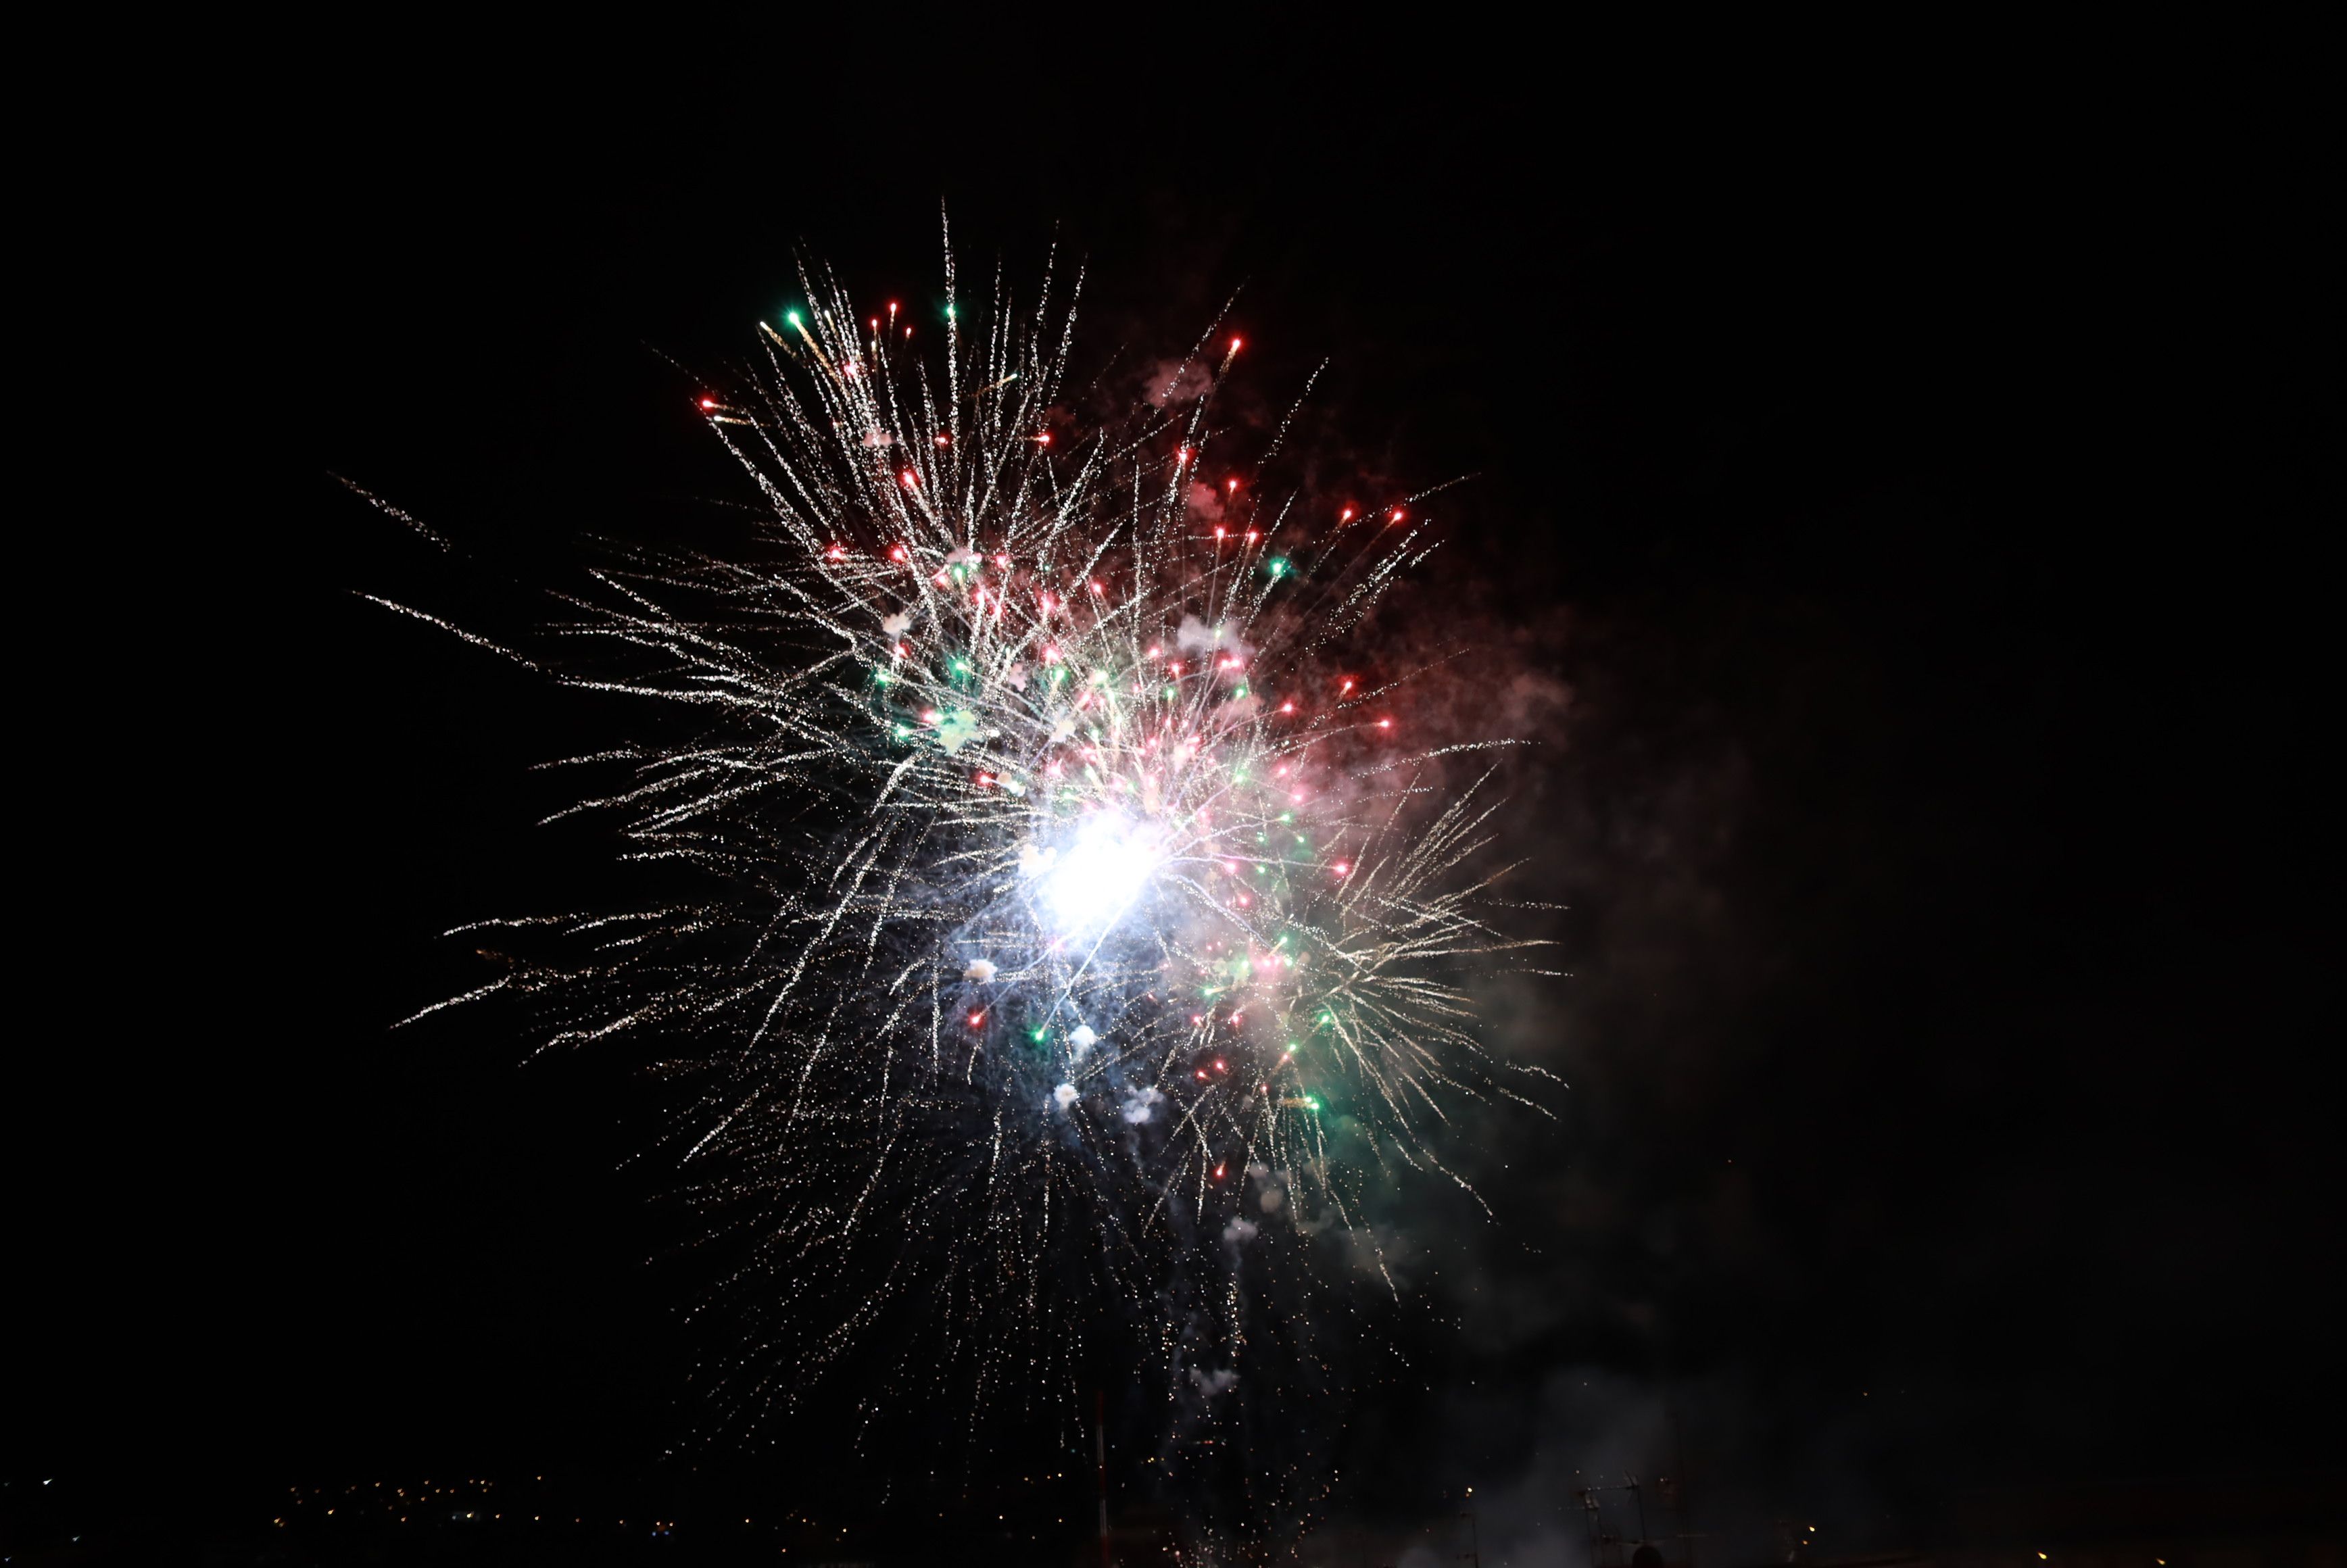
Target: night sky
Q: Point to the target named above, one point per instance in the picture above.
(1905, 514)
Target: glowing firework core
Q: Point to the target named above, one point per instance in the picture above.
(1104, 872)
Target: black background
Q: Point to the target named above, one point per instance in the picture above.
(1904, 499)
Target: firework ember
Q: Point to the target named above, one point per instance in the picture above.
(1074, 930)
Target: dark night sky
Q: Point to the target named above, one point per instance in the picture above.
(1906, 512)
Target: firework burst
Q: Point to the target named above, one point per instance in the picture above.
(1072, 932)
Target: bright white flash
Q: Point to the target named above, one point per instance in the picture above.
(1100, 875)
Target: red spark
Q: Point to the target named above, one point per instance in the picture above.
(1343, 870)
(708, 403)
(909, 479)
(976, 1019)
(1397, 515)
(897, 552)
(1385, 723)
(1287, 707)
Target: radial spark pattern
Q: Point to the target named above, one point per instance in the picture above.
(1075, 931)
